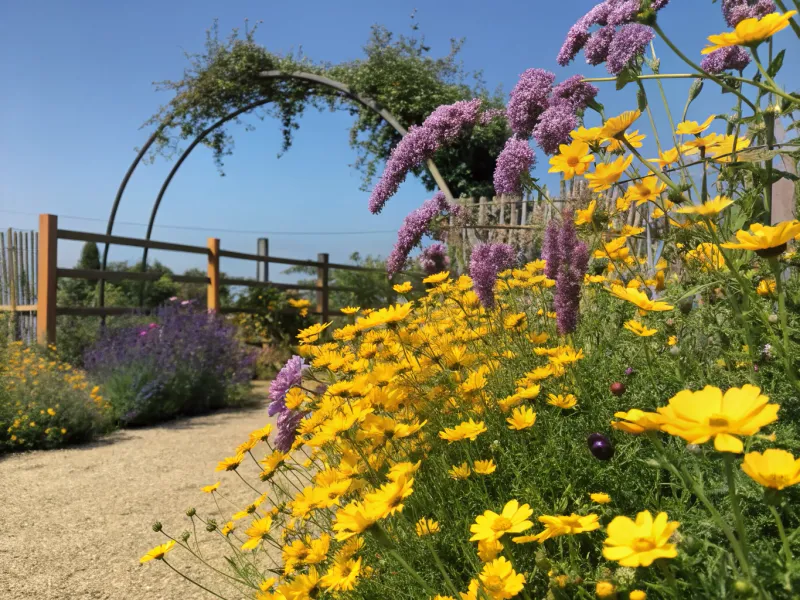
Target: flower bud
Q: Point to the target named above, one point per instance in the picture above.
(157, 526)
(185, 536)
(744, 588)
(773, 318)
(190, 512)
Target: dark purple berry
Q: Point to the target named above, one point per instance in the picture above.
(600, 446)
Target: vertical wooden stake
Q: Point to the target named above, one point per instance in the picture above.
(48, 263)
(322, 286)
(212, 301)
(262, 268)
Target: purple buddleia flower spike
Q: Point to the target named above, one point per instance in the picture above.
(486, 261)
(516, 159)
(434, 259)
(414, 226)
(629, 42)
(574, 256)
(554, 127)
(733, 58)
(579, 33)
(736, 11)
(550, 250)
(441, 127)
(575, 91)
(288, 377)
(490, 115)
(623, 11)
(528, 100)
(596, 50)
(288, 422)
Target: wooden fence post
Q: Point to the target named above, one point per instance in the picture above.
(262, 268)
(322, 286)
(48, 263)
(212, 302)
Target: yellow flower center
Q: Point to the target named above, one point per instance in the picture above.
(501, 524)
(717, 420)
(642, 544)
(573, 161)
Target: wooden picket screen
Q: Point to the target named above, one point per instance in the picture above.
(46, 307)
(18, 282)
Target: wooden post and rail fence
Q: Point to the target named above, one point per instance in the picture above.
(45, 273)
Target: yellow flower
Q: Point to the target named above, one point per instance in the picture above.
(342, 576)
(723, 149)
(492, 526)
(647, 190)
(516, 321)
(776, 469)
(707, 256)
(309, 335)
(521, 418)
(489, 549)
(499, 580)
(427, 527)
(485, 467)
(351, 310)
(667, 158)
(638, 298)
(639, 329)
(258, 530)
(353, 519)
(706, 143)
(692, 128)
(157, 553)
(636, 421)
(231, 463)
(590, 136)
(299, 303)
(616, 125)
(584, 216)
(639, 543)
(210, 488)
(765, 240)
(558, 525)
(604, 589)
(616, 249)
(600, 498)
(710, 209)
(766, 287)
(228, 528)
(606, 175)
(51, 412)
(572, 160)
(437, 277)
(302, 587)
(466, 430)
(637, 595)
(461, 471)
(750, 32)
(388, 500)
(403, 288)
(562, 400)
(672, 341)
(634, 138)
(699, 416)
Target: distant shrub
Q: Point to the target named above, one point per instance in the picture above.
(186, 361)
(46, 403)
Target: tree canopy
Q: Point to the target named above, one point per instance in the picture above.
(397, 71)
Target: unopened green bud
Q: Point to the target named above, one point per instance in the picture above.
(744, 588)
(695, 89)
(157, 526)
(185, 536)
(190, 512)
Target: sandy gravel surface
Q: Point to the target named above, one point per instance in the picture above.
(73, 523)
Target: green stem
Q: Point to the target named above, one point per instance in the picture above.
(787, 357)
(667, 572)
(737, 509)
(202, 587)
(657, 172)
(654, 76)
(787, 551)
(440, 566)
(763, 71)
(411, 571)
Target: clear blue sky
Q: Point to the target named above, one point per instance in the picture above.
(77, 87)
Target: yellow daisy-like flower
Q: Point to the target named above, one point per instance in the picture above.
(590, 136)
(573, 159)
(341, 577)
(309, 335)
(437, 277)
(765, 240)
(616, 125)
(427, 527)
(499, 580)
(493, 526)
(485, 467)
(600, 498)
(585, 216)
(489, 549)
(749, 32)
(459, 472)
(157, 553)
(258, 531)
(210, 488)
(350, 310)
(515, 322)
(639, 299)
(692, 128)
(634, 138)
(562, 400)
(231, 463)
(766, 287)
(667, 158)
(710, 209)
(708, 413)
(672, 341)
(637, 595)
(776, 469)
(639, 543)
(606, 175)
(558, 525)
(637, 421)
(648, 189)
(521, 418)
(403, 288)
(605, 589)
(353, 519)
(467, 430)
(639, 329)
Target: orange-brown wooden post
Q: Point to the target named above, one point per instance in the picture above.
(322, 286)
(213, 274)
(48, 263)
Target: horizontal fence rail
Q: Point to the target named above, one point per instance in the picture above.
(44, 254)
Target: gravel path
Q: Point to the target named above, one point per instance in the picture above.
(74, 522)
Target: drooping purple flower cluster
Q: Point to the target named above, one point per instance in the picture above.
(732, 58)
(486, 261)
(185, 361)
(736, 11)
(434, 259)
(289, 376)
(490, 114)
(414, 226)
(441, 127)
(567, 259)
(616, 47)
(547, 112)
(516, 158)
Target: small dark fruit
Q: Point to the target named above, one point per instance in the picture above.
(600, 446)
(618, 388)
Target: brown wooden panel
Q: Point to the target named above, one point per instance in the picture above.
(82, 236)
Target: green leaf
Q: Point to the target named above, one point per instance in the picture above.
(757, 155)
(776, 64)
(626, 76)
(641, 99)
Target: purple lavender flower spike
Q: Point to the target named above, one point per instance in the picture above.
(414, 226)
(516, 159)
(736, 11)
(574, 256)
(575, 91)
(434, 259)
(629, 42)
(554, 127)
(579, 33)
(733, 58)
(551, 253)
(486, 262)
(441, 127)
(490, 115)
(288, 377)
(288, 422)
(528, 100)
